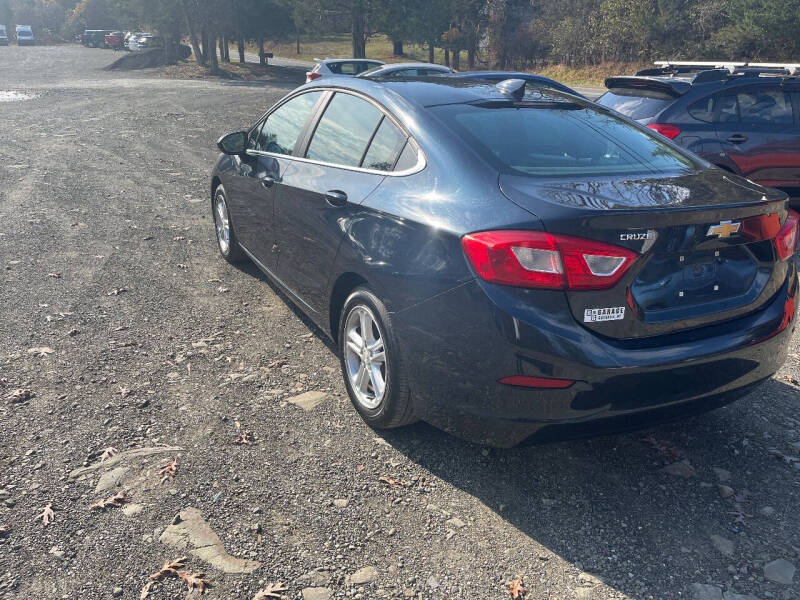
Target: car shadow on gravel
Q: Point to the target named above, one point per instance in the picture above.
(250, 269)
(608, 506)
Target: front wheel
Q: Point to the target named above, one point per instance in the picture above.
(226, 238)
(374, 373)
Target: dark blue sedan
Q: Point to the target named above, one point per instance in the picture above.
(509, 262)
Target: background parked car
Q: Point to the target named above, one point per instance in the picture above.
(25, 36)
(744, 118)
(529, 77)
(146, 41)
(412, 69)
(115, 40)
(335, 66)
(3, 36)
(95, 38)
(130, 38)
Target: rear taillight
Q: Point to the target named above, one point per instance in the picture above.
(536, 259)
(786, 240)
(311, 76)
(668, 131)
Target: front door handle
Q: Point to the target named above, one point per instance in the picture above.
(336, 198)
(737, 138)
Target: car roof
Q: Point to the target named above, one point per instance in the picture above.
(431, 91)
(412, 65)
(336, 60)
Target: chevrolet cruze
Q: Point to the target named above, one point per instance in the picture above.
(510, 263)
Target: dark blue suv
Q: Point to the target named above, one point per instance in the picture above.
(742, 118)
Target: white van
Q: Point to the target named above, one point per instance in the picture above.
(25, 35)
(3, 36)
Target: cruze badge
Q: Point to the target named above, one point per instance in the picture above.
(637, 236)
(725, 229)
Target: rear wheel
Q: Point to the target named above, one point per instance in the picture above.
(374, 373)
(226, 238)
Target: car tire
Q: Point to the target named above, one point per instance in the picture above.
(392, 407)
(227, 243)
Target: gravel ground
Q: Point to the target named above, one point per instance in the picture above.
(121, 327)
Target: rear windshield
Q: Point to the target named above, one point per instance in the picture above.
(636, 103)
(557, 142)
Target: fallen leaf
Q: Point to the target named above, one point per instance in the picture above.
(117, 291)
(169, 470)
(54, 275)
(47, 515)
(516, 589)
(390, 482)
(108, 453)
(148, 587)
(665, 448)
(222, 290)
(271, 591)
(170, 568)
(195, 581)
(276, 363)
(41, 352)
(124, 392)
(116, 500)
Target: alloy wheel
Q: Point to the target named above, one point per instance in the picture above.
(223, 224)
(365, 357)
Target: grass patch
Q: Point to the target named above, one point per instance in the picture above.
(592, 76)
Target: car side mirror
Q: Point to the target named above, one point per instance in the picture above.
(233, 143)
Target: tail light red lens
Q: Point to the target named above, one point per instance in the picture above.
(786, 240)
(536, 259)
(668, 131)
(311, 76)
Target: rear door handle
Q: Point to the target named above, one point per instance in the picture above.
(268, 181)
(737, 138)
(336, 198)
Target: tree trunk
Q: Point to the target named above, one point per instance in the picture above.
(447, 57)
(297, 41)
(471, 58)
(431, 56)
(456, 58)
(222, 42)
(227, 50)
(212, 55)
(240, 47)
(261, 58)
(205, 51)
(198, 53)
(359, 39)
(397, 46)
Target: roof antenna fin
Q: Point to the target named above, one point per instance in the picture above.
(512, 87)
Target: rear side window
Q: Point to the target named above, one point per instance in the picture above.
(280, 131)
(350, 67)
(769, 105)
(636, 103)
(557, 142)
(385, 147)
(344, 131)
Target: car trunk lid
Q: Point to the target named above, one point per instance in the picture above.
(704, 242)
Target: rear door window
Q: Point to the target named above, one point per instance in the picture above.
(765, 105)
(283, 126)
(636, 103)
(343, 132)
(385, 147)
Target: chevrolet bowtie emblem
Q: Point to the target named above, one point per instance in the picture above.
(724, 229)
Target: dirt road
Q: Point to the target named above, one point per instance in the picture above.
(121, 328)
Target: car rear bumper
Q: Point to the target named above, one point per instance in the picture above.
(459, 344)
